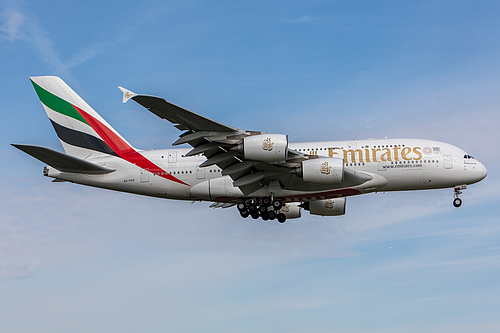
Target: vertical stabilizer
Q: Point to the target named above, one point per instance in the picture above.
(82, 131)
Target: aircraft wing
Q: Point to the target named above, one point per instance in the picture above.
(221, 145)
(185, 119)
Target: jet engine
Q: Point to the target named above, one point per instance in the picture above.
(328, 207)
(291, 210)
(322, 170)
(265, 147)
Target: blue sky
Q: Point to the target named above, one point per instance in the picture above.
(81, 259)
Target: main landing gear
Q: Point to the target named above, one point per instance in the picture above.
(268, 209)
(457, 202)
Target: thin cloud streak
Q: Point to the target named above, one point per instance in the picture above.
(299, 20)
(13, 20)
(20, 23)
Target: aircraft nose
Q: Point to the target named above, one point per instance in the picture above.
(483, 172)
(478, 173)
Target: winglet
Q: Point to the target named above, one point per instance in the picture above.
(127, 94)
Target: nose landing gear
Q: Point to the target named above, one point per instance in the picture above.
(457, 202)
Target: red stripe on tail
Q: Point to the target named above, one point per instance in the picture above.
(123, 149)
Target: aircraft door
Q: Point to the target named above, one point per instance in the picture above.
(172, 156)
(447, 162)
(200, 173)
(144, 175)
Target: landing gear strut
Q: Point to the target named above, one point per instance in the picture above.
(457, 202)
(269, 209)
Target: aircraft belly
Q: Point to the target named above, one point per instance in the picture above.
(130, 180)
(442, 178)
(403, 177)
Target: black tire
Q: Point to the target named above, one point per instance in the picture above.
(241, 206)
(272, 215)
(277, 204)
(265, 216)
(252, 208)
(457, 202)
(244, 213)
(266, 202)
(281, 218)
(255, 216)
(263, 210)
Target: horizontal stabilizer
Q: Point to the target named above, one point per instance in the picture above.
(63, 162)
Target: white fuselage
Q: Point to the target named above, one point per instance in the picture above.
(393, 164)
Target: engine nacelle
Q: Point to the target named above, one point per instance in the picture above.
(291, 210)
(328, 207)
(322, 170)
(265, 147)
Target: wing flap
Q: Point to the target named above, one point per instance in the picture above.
(62, 162)
(205, 148)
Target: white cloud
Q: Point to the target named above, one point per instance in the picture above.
(302, 19)
(23, 24)
(12, 22)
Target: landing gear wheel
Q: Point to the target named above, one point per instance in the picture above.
(255, 216)
(241, 206)
(272, 215)
(244, 213)
(457, 202)
(277, 204)
(262, 210)
(265, 216)
(266, 202)
(252, 208)
(281, 218)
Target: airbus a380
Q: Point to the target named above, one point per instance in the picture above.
(263, 175)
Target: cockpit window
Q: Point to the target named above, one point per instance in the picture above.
(468, 157)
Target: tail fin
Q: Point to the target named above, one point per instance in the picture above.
(82, 131)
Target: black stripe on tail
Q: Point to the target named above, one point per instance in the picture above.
(82, 140)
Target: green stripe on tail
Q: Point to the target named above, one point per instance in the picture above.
(57, 104)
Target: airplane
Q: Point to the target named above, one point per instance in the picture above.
(262, 174)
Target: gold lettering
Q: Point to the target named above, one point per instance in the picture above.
(404, 153)
(367, 155)
(417, 150)
(353, 154)
(374, 154)
(386, 156)
(396, 155)
(333, 152)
